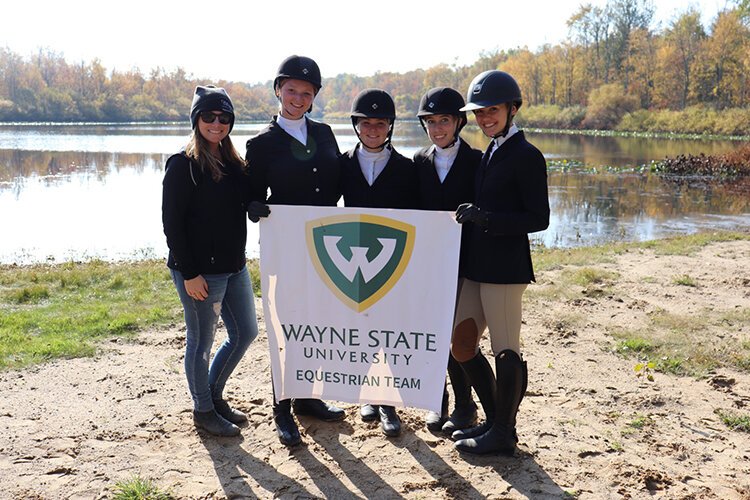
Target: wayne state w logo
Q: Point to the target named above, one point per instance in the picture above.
(359, 257)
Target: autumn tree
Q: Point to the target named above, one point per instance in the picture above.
(681, 45)
(722, 65)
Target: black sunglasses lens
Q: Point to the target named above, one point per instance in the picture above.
(209, 117)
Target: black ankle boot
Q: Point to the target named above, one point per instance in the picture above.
(319, 409)
(369, 413)
(434, 420)
(286, 427)
(229, 413)
(215, 424)
(511, 383)
(389, 421)
(482, 379)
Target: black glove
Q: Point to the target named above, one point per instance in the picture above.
(468, 212)
(256, 210)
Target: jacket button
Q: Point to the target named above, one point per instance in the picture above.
(317, 190)
(315, 169)
(308, 151)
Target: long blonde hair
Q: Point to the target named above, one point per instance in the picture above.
(197, 149)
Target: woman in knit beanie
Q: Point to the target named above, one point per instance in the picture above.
(203, 211)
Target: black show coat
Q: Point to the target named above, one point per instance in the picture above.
(296, 173)
(512, 187)
(456, 188)
(395, 187)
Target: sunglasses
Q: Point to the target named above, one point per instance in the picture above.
(209, 117)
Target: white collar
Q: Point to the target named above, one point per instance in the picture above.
(500, 140)
(287, 124)
(446, 152)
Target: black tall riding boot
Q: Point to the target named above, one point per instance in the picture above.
(482, 379)
(501, 437)
(286, 427)
(464, 412)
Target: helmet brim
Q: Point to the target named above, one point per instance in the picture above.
(475, 105)
(372, 115)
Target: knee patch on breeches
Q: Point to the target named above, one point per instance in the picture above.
(465, 340)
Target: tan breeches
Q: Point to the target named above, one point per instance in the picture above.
(487, 305)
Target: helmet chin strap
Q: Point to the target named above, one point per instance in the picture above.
(508, 123)
(456, 132)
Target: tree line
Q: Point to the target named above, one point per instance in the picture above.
(615, 70)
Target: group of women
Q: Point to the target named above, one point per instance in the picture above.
(498, 197)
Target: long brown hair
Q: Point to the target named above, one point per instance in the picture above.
(197, 149)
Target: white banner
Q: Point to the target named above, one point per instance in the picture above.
(359, 303)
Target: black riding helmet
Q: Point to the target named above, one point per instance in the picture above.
(492, 88)
(442, 101)
(298, 68)
(374, 103)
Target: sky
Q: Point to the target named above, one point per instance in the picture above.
(245, 40)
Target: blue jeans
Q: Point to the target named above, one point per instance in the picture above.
(231, 296)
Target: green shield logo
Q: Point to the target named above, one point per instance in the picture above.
(359, 257)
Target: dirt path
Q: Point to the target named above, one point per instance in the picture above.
(589, 428)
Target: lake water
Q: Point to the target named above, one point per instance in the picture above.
(72, 192)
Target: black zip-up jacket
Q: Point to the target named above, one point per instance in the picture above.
(204, 221)
(395, 187)
(512, 187)
(456, 188)
(296, 173)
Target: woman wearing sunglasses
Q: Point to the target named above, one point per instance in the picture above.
(203, 212)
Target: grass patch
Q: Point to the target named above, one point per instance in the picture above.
(253, 267)
(737, 317)
(592, 276)
(635, 344)
(136, 488)
(679, 324)
(640, 422)
(679, 366)
(684, 280)
(689, 244)
(31, 294)
(546, 259)
(734, 420)
(616, 446)
(59, 311)
(678, 346)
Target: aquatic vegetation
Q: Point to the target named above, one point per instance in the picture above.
(727, 166)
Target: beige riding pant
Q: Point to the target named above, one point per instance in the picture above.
(487, 305)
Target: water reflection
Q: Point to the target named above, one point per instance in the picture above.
(95, 191)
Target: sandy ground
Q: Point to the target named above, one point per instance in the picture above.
(73, 428)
